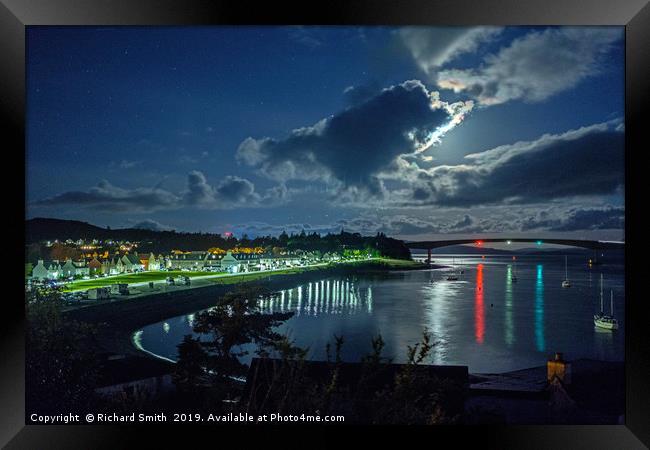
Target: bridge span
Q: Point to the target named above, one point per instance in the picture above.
(592, 245)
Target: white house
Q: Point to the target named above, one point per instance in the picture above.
(132, 262)
(190, 260)
(46, 270)
(229, 263)
(152, 263)
(68, 269)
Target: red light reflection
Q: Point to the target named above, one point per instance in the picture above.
(479, 314)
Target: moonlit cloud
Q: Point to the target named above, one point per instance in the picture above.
(350, 149)
(433, 47)
(582, 162)
(536, 66)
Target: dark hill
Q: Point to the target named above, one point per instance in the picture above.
(40, 229)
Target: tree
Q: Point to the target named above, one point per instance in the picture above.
(60, 361)
(229, 329)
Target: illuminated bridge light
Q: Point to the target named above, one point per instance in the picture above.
(508, 242)
(539, 242)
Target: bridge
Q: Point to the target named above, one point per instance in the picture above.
(592, 245)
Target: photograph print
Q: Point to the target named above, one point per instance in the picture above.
(414, 225)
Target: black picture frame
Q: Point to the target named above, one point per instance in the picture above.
(16, 15)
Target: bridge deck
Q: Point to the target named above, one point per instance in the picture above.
(593, 245)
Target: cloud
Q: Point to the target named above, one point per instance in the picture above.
(150, 224)
(493, 220)
(355, 95)
(112, 198)
(230, 192)
(305, 36)
(433, 47)
(199, 192)
(348, 150)
(536, 66)
(124, 164)
(582, 162)
(593, 219)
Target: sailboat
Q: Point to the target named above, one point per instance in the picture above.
(566, 283)
(452, 276)
(513, 276)
(603, 320)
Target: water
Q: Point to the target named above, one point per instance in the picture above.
(483, 320)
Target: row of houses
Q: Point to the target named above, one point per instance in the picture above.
(197, 260)
(50, 270)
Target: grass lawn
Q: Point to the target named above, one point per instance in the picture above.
(141, 277)
(237, 278)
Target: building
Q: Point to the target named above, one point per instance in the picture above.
(68, 269)
(229, 263)
(94, 266)
(131, 262)
(150, 262)
(135, 378)
(81, 268)
(46, 270)
(189, 261)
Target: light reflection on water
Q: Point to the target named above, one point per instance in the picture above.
(483, 320)
(329, 297)
(508, 320)
(539, 308)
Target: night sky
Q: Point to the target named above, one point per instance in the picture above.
(417, 132)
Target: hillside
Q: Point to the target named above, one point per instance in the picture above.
(39, 229)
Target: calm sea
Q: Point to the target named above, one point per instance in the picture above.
(483, 320)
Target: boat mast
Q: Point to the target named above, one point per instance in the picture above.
(566, 270)
(601, 293)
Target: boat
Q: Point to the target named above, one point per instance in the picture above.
(566, 283)
(452, 276)
(602, 320)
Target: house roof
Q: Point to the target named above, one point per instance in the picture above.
(193, 256)
(229, 258)
(133, 258)
(49, 263)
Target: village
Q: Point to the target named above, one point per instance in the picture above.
(98, 273)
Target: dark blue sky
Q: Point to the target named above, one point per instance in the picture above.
(259, 129)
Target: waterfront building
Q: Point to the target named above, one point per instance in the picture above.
(68, 269)
(80, 268)
(46, 270)
(229, 263)
(189, 260)
(150, 262)
(132, 263)
(94, 266)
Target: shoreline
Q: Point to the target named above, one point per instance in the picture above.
(119, 320)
